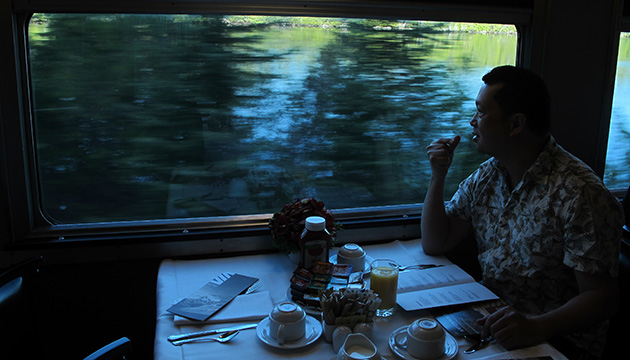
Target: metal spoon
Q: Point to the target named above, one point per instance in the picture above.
(225, 337)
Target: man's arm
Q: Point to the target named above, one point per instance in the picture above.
(598, 299)
(440, 232)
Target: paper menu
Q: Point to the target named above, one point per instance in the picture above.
(462, 320)
(441, 286)
(461, 323)
(211, 297)
(432, 278)
(247, 307)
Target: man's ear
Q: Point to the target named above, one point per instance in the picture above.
(519, 123)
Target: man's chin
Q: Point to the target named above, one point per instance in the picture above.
(480, 148)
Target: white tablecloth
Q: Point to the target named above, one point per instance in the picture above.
(180, 278)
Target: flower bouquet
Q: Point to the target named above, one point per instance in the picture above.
(287, 225)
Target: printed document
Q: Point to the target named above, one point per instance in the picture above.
(440, 286)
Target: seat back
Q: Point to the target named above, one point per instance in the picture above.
(618, 323)
(18, 325)
(117, 350)
(626, 207)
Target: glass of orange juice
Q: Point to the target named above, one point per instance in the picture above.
(384, 282)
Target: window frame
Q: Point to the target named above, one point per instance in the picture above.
(29, 229)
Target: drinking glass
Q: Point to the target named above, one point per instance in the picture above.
(384, 282)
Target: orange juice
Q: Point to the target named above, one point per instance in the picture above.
(384, 282)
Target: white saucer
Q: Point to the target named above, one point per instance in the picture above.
(450, 346)
(335, 358)
(313, 332)
(368, 262)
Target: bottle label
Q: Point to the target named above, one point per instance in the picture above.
(314, 251)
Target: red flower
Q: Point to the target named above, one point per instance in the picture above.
(287, 225)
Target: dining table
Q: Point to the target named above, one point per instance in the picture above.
(179, 278)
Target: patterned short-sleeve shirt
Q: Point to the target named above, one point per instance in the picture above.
(558, 219)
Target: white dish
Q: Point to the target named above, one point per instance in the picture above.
(313, 332)
(368, 262)
(450, 346)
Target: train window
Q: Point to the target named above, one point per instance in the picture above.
(142, 117)
(616, 175)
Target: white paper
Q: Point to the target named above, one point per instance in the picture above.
(432, 278)
(440, 286)
(444, 296)
(537, 352)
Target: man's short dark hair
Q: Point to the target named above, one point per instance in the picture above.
(524, 92)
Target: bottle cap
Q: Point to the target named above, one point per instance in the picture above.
(315, 223)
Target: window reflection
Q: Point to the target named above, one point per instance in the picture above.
(618, 155)
(155, 117)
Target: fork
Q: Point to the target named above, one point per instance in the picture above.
(225, 337)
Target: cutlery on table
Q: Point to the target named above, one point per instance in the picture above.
(180, 337)
(224, 337)
(479, 342)
(418, 267)
(255, 286)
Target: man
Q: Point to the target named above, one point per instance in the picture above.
(547, 229)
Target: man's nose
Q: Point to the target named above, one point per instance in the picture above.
(473, 121)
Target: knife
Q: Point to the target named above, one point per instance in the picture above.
(418, 267)
(210, 332)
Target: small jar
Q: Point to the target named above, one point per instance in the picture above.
(315, 242)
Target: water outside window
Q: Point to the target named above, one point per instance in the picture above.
(617, 174)
(156, 117)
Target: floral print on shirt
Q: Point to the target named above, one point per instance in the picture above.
(558, 219)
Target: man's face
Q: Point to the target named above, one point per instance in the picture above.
(490, 127)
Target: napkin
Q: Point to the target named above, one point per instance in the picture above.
(249, 307)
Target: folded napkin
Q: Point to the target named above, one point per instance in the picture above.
(249, 307)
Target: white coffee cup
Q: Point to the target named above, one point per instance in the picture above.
(287, 322)
(352, 254)
(423, 339)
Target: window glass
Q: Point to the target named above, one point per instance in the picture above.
(617, 175)
(142, 117)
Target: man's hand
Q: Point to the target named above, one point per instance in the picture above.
(440, 154)
(511, 329)
(598, 299)
(441, 232)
